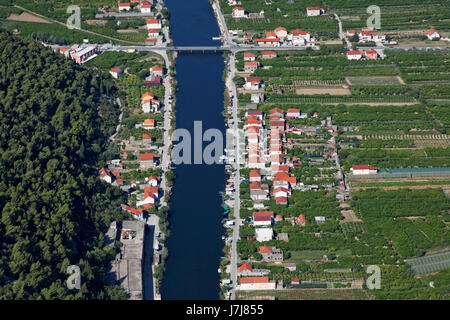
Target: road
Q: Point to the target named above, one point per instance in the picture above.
(222, 24)
(342, 35)
(123, 15)
(237, 178)
(113, 137)
(165, 158)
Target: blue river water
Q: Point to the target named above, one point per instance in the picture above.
(195, 244)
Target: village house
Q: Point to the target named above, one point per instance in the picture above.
(291, 266)
(153, 33)
(149, 103)
(115, 73)
(283, 237)
(153, 24)
(268, 54)
(149, 124)
(157, 70)
(301, 220)
(145, 7)
(293, 114)
(263, 218)
(267, 42)
(256, 283)
(363, 169)
(281, 32)
(255, 175)
(247, 270)
(350, 33)
(251, 66)
(257, 97)
(354, 55)
(124, 6)
(152, 181)
(105, 176)
(314, 11)
(264, 234)
(252, 83)
(248, 56)
(299, 37)
(259, 191)
(371, 54)
(146, 139)
(277, 112)
(149, 199)
(433, 34)
(271, 254)
(146, 160)
(238, 12)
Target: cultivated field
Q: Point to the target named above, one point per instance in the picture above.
(26, 17)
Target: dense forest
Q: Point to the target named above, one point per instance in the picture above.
(54, 210)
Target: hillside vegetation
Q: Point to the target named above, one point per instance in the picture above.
(54, 210)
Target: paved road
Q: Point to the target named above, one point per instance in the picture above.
(165, 158)
(222, 24)
(237, 178)
(123, 15)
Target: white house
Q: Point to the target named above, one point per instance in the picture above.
(238, 12)
(257, 97)
(263, 218)
(363, 169)
(354, 55)
(281, 32)
(433, 34)
(105, 176)
(124, 6)
(314, 11)
(264, 234)
(153, 24)
(252, 83)
(248, 56)
(115, 72)
(293, 114)
(145, 7)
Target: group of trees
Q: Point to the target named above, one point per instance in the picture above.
(54, 210)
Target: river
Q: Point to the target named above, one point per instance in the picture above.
(195, 244)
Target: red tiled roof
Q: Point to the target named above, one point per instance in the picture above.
(267, 40)
(249, 55)
(265, 249)
(254, 280)
(363, 166)
(245, 266)
(262, 215)
(254, 173)
(146, 157)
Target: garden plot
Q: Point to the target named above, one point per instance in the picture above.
(374, 80)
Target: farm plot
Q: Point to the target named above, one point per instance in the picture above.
(374, 80)
(352, 227)
(323, 90)
(431, 263)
